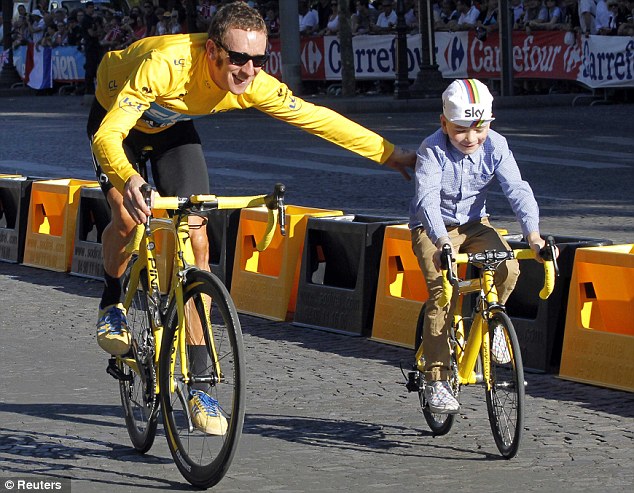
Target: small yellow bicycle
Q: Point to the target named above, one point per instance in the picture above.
(471, 338)
(165, 310)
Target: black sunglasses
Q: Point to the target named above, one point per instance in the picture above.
(238, 58)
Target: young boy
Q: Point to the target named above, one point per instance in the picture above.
(456, 167)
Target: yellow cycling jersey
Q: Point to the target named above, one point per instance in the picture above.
(161, 80)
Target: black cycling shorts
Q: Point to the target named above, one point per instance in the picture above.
(178, 164)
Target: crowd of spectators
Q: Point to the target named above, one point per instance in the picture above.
(112, 29)
(321, 17)
(94, 29)
(602, 17)
(94, 26)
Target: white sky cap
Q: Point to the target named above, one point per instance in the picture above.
(467, 102)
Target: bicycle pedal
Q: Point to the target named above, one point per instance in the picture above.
(114, 371)
(413, 382)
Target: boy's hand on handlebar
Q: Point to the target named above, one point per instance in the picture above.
(536, 243)
(437, 257)
(541, 248)
(134, 201)
(400, 160)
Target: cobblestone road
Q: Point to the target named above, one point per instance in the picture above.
(326, 412)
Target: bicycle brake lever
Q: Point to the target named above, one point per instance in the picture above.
(146, 191)
(446, 261)
(280, 189)
(549, 253)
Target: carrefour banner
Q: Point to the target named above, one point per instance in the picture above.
(595, 61)
(544, 55)
(374, 57)
(607, 61)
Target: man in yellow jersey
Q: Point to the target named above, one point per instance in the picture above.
(148, 94)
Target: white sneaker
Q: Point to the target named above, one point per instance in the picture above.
(440, 398)
(499, 348)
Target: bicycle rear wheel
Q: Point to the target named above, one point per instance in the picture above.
(439, 424)
(203, 459)
(505, 398)
(139, 400)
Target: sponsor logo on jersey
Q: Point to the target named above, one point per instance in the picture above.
(157, 116)
(130, 106)
(294, 103)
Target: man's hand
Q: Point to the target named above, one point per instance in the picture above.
(133, 200)
(400, 160)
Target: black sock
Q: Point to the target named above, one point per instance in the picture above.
(111, 291)
(198, 362)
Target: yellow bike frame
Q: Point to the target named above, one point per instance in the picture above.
(182, 258)
(477, 341)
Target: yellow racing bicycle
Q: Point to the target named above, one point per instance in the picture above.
(471, 340)
(169, 310)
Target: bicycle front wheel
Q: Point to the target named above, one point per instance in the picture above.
(505, 397)
(140, 403)
(203, 457)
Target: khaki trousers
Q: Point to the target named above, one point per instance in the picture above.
(475, 236)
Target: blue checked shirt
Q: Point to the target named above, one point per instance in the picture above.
(451, 187)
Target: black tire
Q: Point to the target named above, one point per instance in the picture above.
(201, 458)
(140, 403)
(505, 399)
(439, 424)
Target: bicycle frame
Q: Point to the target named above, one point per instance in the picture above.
(183, 259)
(467, 355)
(477, 341)
(473, 359)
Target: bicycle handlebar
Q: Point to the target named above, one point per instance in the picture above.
(551, 268)
(548, 255)
(448, 277)
(274, 203)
